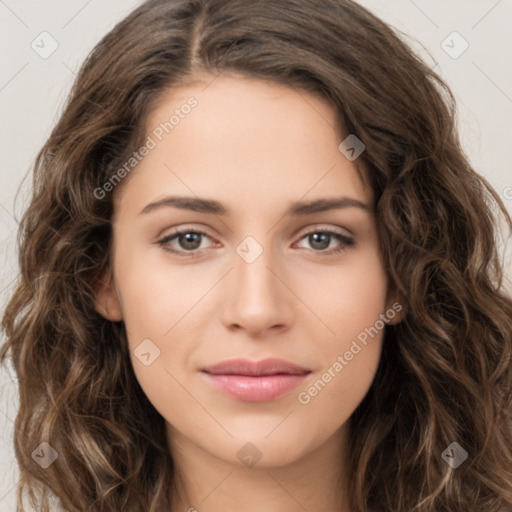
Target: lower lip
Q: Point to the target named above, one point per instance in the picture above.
(255, 389)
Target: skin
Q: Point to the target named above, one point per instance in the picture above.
(256, 147)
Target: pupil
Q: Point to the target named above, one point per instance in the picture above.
(189, 242)
(314, 240)
(192, 240)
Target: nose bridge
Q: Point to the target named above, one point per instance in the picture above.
(258, 299)
(252, 268)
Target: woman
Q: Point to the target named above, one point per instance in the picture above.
(258, 270)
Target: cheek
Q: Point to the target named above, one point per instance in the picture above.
(159, 302)
(351, 299)
(328, 401)
(155, 295)
(351, 304)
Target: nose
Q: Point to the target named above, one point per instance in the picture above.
(258, 299)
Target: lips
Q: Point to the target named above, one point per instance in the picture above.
(249, 368)
(255, 381)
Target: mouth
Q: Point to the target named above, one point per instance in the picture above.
(255, 381)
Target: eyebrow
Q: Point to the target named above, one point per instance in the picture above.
(197, 204)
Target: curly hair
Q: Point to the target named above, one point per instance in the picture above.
(445, 372)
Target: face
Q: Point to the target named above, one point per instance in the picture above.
(276, 257)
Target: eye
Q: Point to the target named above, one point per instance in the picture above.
(187, 242)
(320, 240)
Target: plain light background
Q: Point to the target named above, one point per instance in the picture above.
(33, 89)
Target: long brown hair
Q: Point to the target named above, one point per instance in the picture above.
(445, 373)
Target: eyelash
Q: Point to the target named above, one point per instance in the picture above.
(345, 242)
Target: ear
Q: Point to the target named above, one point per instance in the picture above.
(395, 307)
(107, 302)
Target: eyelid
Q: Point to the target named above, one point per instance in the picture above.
(169, 230)
(182, 229)
(324, 227)
(346, 239)
(307, 230)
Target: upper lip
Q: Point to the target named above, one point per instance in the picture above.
(258, 368)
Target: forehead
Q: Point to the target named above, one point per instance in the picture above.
(244, 140)
(236, 101)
